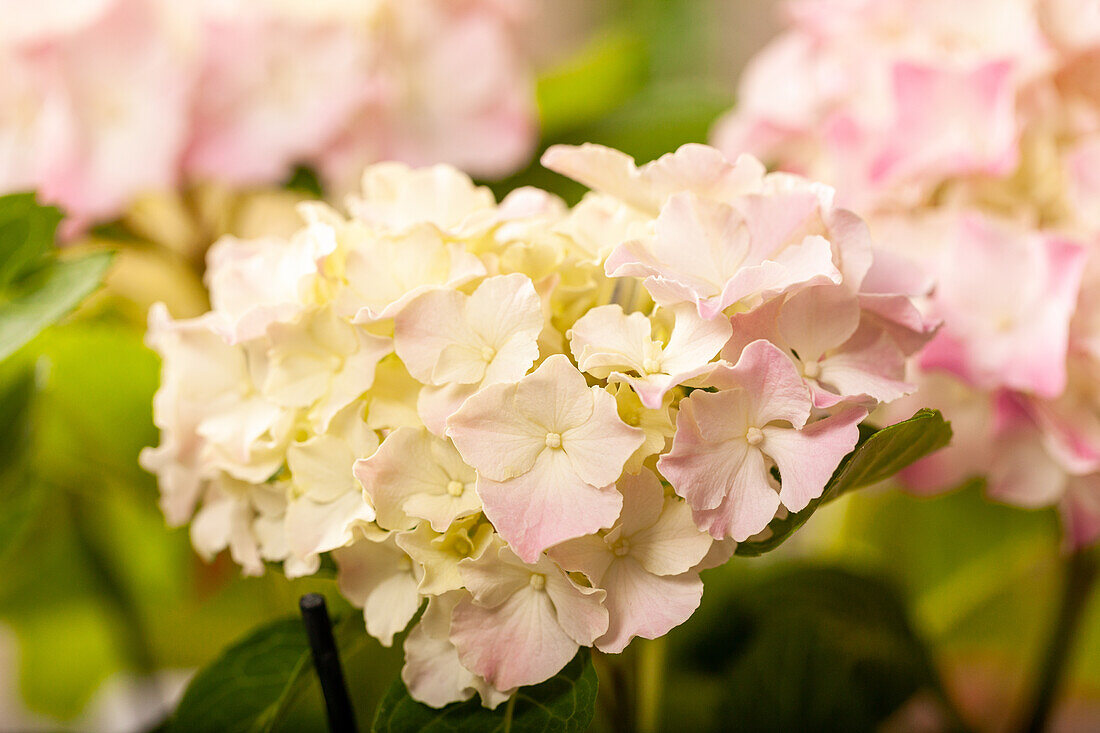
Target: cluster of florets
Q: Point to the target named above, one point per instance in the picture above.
(239, 91)
(968, 135)
(544, 421)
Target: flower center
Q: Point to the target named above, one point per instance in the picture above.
(455, 488)
(621, 548)
(538, 581)
(754, 436)
(462, 545)
(651, 365)
(487, 353)
(811, 369)
(553, 440)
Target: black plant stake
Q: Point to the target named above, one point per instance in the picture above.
(326, 660)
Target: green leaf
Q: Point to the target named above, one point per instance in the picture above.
(565, 703)
(878, 456)
(799, 648)
(46, 295)
(600, 77)
(253, 683)
(26, 234)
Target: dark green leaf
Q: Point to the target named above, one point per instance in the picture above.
(305, 180)
(801, 649)
(565, 703)
(26, 235)
(46, 295)
(251, 685)
(878, 456)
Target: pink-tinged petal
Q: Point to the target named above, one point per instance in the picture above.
(720, 553)
(853, 249)
(1070, 430)
(694, 342)
(702, 464)
(224, 521)
(254, 283)
(673, 544)
(600, 447)
(504, 306)
(589, 554)
(538, 509)
(870, 364)
(1024, 474)
(514, 644)
(804, 264)
(643, 501)
(411, 467)
(692, 167)
(425, 327)
(754, 325)
(642, 604)
(980, 136)
(772, 387)
(751, 502)
(494, 437)
(816, 320)
(435, 405)
(806, 458)
(580, 610)
(899, 317)
(313, 527)
(605, 338)
(774, 219)
(433, 673)
(1006, 295)
(494, 576)
(555, 396)
(380, 578)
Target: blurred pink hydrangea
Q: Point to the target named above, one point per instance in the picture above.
(968, 135)
(103, 100)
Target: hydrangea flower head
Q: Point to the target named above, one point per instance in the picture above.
(470, 404)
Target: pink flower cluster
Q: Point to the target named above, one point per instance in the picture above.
(102, 100)
(543, 421)
(968, 135)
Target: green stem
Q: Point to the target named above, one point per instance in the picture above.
(509, 711)
(615, 695)
(650, 681)
(1081, 570)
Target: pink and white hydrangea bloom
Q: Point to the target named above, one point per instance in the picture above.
(377, 576)
(966, 135)
(456, 401)
(415, 476)
(840, 356)
(522, 622)
(715, 255)
(543, 446)
(727, 441)
(606, 342)
(996, 336)
(433, 673)
(240, 93)
(646, 563)
(457, 343)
